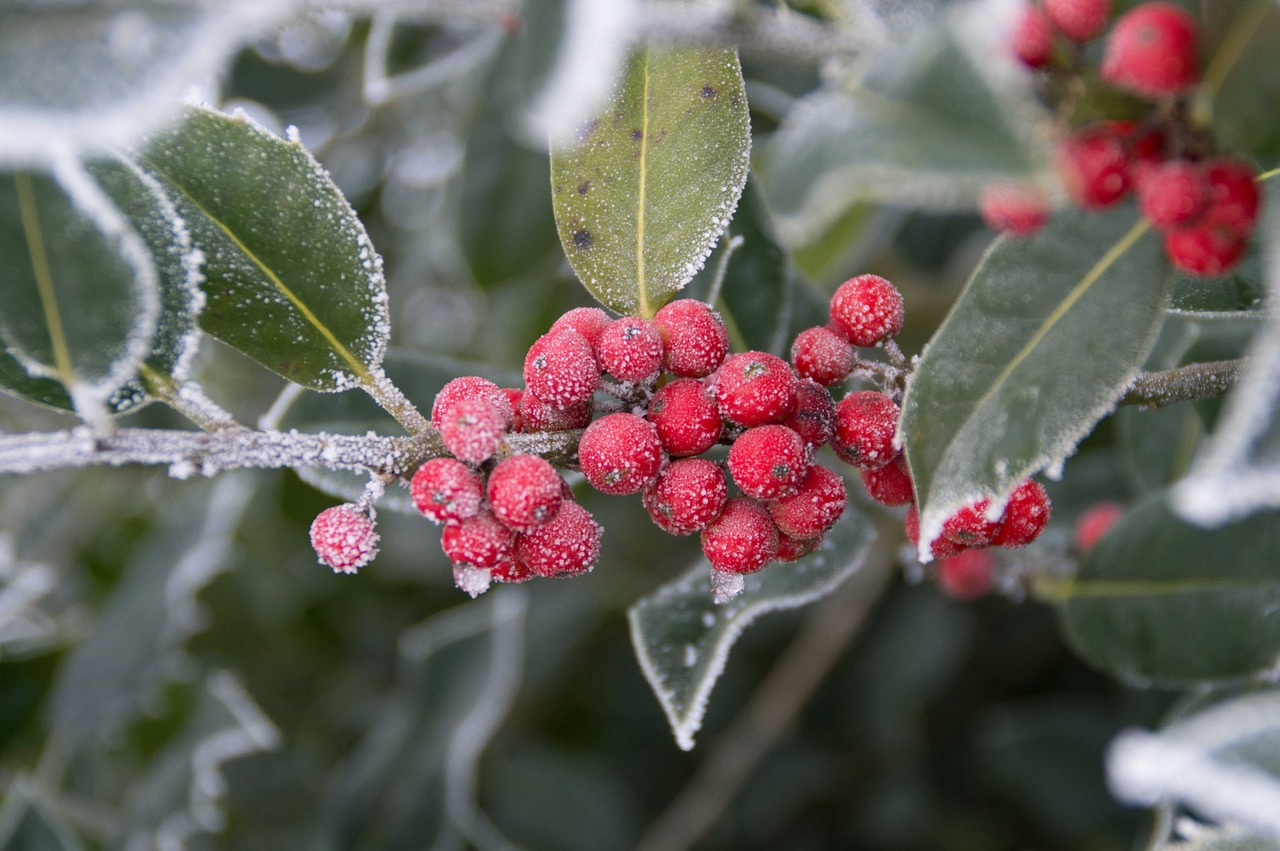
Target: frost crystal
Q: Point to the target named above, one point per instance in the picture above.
(471, 580)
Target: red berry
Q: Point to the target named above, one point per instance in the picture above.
(511, 570)
(537, 415)
(686, 417)
(470, 387)
(865, 424)
(514, 395)
(753, 388)
(822, 355)
(524, 492)
(768, 461)
(567, 545)
(344, 538)
(1151, 50)
(561, 368)
(967, 575)
(1019, 209)
(1032, 37)
(620, 453)
(1025, 516)
(1174, 193)
(814, 418)
(890, 484)
(630, 349)
(472, 430)
(793, 549)
(694, 339)
(1233, 195)
(814, 508)
(941, 548)
(742, 539)
(1079, 20)
(1094, 166)
(687, 496)
(481, 542)
(1206, 250)
(866, 310)
(969, 527)
(446, 491)
(1095, 523)
(590, 322)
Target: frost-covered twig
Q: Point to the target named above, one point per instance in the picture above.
(1184, 384)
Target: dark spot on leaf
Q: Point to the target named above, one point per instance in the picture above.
(708, 93)
(582, 239)
(637, 135)
(584, 187)
(588, 129)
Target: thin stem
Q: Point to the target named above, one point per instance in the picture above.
(392, 400)
(1184, 384)
(722, 268)
(187, 399)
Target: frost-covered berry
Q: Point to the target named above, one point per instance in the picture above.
(1032, 37)
(630, 349)
(1019, 209)
(1079, 20)
(446, 491)
(793, 549)
(970, 527)
(687, 496)
(537, 415)
(694, 339)
(1233, 195)
(1093, 165)
(742, 539)
(514, 395)
(865, 424)
(814, 418)
(590, 322)
(1151, 50)
(472, 429)
(480, 542)
(1025, 516)
(941, 548)
(561, 368)
(967, 575)
(344, 538)
(822, 355)
(890, 484)
(768, 461)
(568, 545)
(686, 417)
(1206, 250)
(511, 570)
(866, 310)
(1095, 523)
(524, 492)
(620, 453)
(1174, 193)
(470, 387)
(753, 388)
(814, 508)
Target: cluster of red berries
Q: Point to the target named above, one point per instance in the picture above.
(1206, 204)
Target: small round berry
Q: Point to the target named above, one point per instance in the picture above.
(446, 491)
(473, 429)
(1018, 209)
(590, 322)
(344, 538)
(1095, 523)
(1032, 37)
(941, 548)
(537, 415)
(568, 545)
(1079, 20)
(822, 355)
(694, 339)
(511, 570)
(687, 496)
(686, 417)
(753, 388)
(967, 575)
(768, 461)
(1093, 166)
(620, 453)
(630, 349)
(814, 418)
(470, 387)
(1174, 193)
(866, 310)
(742, 539)
(1025, 516)
(814, 508)
(524, 492)
(480, 541)
(1205, 250)
(561, 368)
(970, 527)
(793, 549)
(865, 424)
(1151, 50)
(890, 484)
(1233, 195)
(514, 395)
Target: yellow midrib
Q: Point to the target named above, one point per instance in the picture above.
(642, 293)
(44, 277)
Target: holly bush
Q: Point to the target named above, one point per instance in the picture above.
(246, 245)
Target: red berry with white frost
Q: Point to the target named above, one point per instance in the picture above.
(814, 508)
(814, 418)
(867, 310)
(567, 545)
(694, 339)
(890, 484)
(1174, 193)
(970, 527)
(1025, 516)
(590, 322)
(753, 388)
(822, 355)
(686, 417)
(768, 461)
(1152, 50)
(481, 542)
(1093, 165)
(524, 492)
(537, 415)
(1205, 250)
(472, 429)
(1079, 20)
(742, 539)
(344, 538)
(470, 387)
(967, 575)
(561, 368)
(446, 491)
(688, 495)
(865, 425)
(941, 547)
(630, 349)
(1032, 37)
(620, 453)
(793, 549)
(1018, 209)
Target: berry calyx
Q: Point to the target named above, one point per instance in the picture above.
(867, 310)
(753, 388)
(742, 539)
(1151, 50)
(890, 484)
(687, 496)
(1174, 193)
(1018, 209)
(480, 542)
(1094, 524)
(446, 491)
(561, 368)
(694, 339)
(524, 492)
(1093, 166)
(344, 538)
(865, 425)
(1025, 516)
(567, 545)
(1032, 37)
(814, 508)
(967, 575)
(1079, 20)
(822, 355)
(768, 461)
(620, 453)
(686, 417)
(630, 349)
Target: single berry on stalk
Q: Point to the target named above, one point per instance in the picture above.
(1032, 37)
(890, 484)
(561, 368)
(1025, 516)
(1093, 164)
(768, 461)
(865, 425)
(630, 349)
(742, 539)
(620, 453)
(1079, 20)
(470, 387)
(694, 339)
(813, 508)
(472, 429)
(524, 492)
(754, 388)
(686, 417)
(822, 355)
(344, 538)
(446, 491)
(688, 495)
(1174, 193)
(867, 310)
(1152, 50)
(481, 542)
(568, 545)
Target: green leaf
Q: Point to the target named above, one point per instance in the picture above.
(1042, 342)
(682, 639)
(654, 180)
(292, 279)
(1242, 77)
(1159, 600)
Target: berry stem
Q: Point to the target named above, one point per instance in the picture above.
(1185, 384)
(392, 400)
